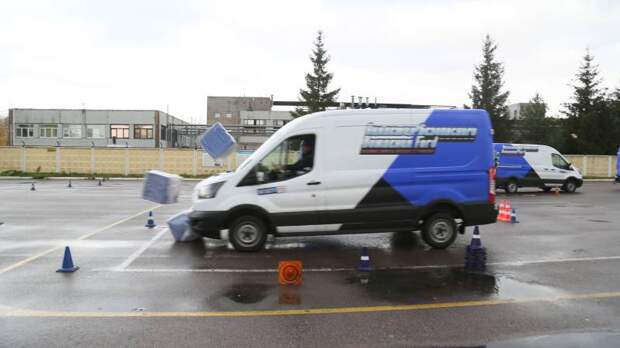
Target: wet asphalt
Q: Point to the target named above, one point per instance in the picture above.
(553, 275)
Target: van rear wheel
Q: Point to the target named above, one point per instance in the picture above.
(248, 233)
(511, 186)
(439, 230)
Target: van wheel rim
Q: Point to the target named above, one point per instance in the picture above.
(441, 231)
(512, 187)
(247, 234)
(570, 186)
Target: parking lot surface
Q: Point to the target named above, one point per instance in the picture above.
(554, 273)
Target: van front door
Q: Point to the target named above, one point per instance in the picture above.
(555, 171)
(288, 183)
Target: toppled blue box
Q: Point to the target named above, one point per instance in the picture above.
(179, 227)
(161, 187)
(217, 142)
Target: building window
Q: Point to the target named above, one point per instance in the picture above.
(96, 131)
(229, 115)
(24, 131)
(48, 131)
(72, 130)
(254, 122)
(216, 115)
(163, 132)
(119, 131)
(279, 123)
(143, 131)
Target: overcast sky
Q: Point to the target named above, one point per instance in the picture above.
(155, 54)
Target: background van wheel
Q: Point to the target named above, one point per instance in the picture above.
(569, 186)
(439, 230)
(247, 233)
(511, 186)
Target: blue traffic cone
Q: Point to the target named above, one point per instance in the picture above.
(32, 188)
(150, 223)
(513, 217)
(364, 265)
(476, 243)
(67, 263)
(69, 185)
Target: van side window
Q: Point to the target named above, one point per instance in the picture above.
(559, 162)
(293, 157)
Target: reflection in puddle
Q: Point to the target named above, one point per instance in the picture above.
(411, 287)
(289, 295)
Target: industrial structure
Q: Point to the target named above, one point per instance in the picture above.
(87, 127)
(251, 120)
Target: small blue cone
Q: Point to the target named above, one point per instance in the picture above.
(513, 217)
(476, 243)
(364, 265)
(150, 223)
(67, 263)
(32, 188)
(69, 185)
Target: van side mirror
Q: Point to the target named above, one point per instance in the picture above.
(260, 177)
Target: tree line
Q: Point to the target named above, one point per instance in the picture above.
(589, 123)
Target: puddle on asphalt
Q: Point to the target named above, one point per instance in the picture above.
(411, 287)
(247, 293)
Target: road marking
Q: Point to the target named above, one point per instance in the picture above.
(139, 252)
(8, 312)
(88, 235)
(347, 269)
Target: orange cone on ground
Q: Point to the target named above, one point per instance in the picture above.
(289, 272)
(504, 211)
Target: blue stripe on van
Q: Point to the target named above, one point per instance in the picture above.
(511, 165)
(457, 171)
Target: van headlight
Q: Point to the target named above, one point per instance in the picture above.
(209, 191)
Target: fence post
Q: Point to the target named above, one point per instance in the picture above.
(609, 166)
(23, 159)
(584, 159)
(57, 159)
(194, 164)
(126, 161)
(161, 159)
(92, 160)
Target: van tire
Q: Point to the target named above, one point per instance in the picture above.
(546, 189)
(511, 186)
(439, 230)
(247, 233)
(570, 186)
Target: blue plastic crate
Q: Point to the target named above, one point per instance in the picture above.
(180, 229)
(161, 187)
(217, 142)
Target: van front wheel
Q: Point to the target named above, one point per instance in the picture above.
(569, 186)
(247, 233)
(439, 230)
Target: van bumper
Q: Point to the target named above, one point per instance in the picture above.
(479, 213)
(207, 223)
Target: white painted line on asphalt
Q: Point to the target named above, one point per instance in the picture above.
(142, 249)
(347, 269)
(88, 235)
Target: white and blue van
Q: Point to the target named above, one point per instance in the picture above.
(357, 171)
(528, 165)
